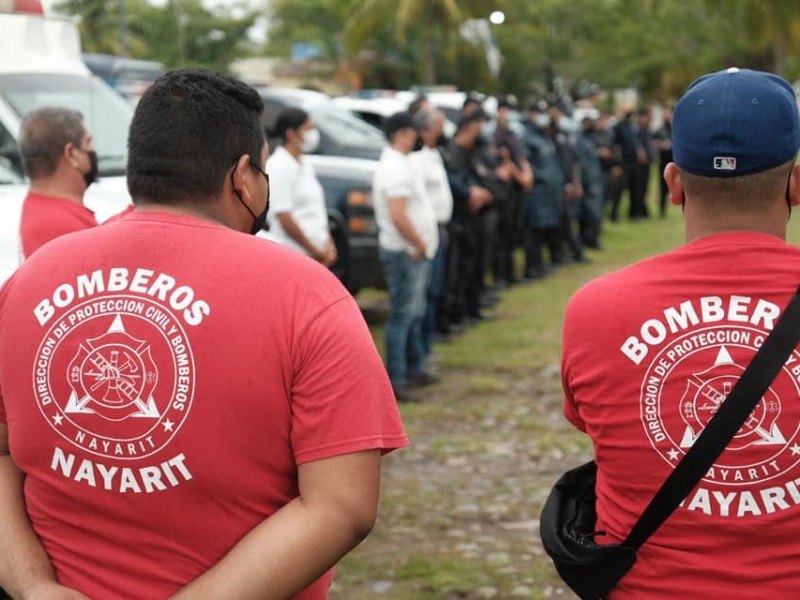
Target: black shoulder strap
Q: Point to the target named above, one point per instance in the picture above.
(730, 417)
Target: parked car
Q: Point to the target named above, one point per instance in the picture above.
(375, 110)
(130, 77)
(12, 190)
(41, 65)
(345, 161)
(341, 133)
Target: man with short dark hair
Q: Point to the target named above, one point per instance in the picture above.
(408, 238)
(192, 412)
(60, 161)
(651, 351)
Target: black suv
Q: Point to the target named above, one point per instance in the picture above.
(345, 163)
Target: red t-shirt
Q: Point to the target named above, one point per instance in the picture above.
(45, 218)
(161, 378)
(649, 353)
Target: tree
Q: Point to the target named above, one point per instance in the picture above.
(657, 47)
(438, 20)
(318, 22)
(773, 25)
(180, 33)
(99, 26)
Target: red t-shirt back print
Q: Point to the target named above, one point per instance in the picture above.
(649, 354)
(162, 377)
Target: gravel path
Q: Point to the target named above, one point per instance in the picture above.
(459, 508)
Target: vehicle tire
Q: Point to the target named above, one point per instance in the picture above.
(338, 227)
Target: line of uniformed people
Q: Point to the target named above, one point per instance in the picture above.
(527, 184)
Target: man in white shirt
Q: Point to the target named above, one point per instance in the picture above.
(429, 167)
(408, 238)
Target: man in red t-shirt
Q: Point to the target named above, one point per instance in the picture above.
(650, 352)
(58, 158)
(190, 411)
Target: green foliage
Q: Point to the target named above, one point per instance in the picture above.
(181, 33)
(657, 46)
(430, 26)
(317, 22)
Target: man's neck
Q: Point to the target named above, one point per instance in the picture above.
(294, 151)
(696, 229)
(204, 211)
(399, 147)
(58, 190)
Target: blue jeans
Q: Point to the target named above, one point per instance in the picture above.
(408, 281)
(435, 291)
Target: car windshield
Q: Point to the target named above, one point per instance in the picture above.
(343, 126)
(452, 114)
(107, 114)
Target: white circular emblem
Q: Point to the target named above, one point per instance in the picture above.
(115, 376)
(677, 402)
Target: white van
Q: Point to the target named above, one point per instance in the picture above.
(41, 65)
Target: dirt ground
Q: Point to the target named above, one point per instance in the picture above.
(460, 507)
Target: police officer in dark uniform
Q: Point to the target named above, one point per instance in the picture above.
(466, 172)
(610, 157)
(545, 203)
(510, 226)
(590, 215)
(662, 140)
(646, 153)
(571, 169)
(626, 137)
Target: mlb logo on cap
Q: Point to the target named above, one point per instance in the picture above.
(724, 163)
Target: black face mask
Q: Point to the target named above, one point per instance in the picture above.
(260, 220)
(91, 175)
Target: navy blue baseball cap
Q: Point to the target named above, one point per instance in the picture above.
(735, 122)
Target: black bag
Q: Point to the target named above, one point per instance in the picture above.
(567, 530)
(568, 519)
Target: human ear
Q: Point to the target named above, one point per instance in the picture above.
(238, 177)
(674, 183)
(794, 186)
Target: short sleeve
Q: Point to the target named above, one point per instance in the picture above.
(282, 177)
(341, 398)
(2, 408)
(570, 405)
(398, 183)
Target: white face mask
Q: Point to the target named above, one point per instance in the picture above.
(310, 141)
(543, 120)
